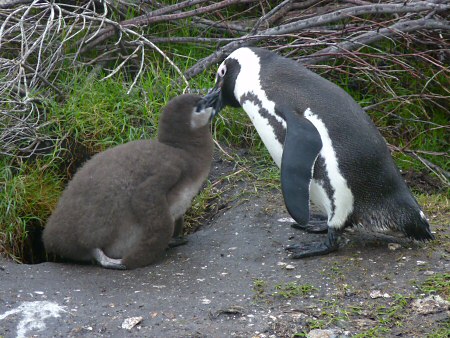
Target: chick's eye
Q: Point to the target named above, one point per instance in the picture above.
(222, 70)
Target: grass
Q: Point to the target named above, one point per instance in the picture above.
(292, 289)
(377, 331)
(259, 289)
(28, 193)
(437, 284)
(262, 291)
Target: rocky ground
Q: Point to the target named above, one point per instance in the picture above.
(234, 279)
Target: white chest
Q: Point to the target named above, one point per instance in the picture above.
(265, 131)
(181, 200)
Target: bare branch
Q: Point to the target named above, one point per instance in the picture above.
(317, 21)
(370, 37)
(146, 20)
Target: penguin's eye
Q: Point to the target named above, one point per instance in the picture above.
(222, 70)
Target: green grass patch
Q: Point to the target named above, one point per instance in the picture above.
(437, 284)
(292, 289)
(100, 114)
(28, 194)
(259, 289)
(378, 331)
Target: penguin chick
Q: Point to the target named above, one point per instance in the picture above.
(124, 205)
(328, 149)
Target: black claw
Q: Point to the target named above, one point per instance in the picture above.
(177, 241)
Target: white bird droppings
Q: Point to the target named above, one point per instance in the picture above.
(34, 315)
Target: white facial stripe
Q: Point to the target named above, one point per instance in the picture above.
(265, 131)
(343, 197)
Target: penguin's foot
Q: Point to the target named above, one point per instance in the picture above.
(177, 241)
(313, 227)
(106, 262)
(310, 250)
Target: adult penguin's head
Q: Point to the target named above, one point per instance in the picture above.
(223, 92)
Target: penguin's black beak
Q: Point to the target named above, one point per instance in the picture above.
(214, 99)
(208, 103)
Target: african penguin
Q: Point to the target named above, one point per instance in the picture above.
(124, 205)
(328, 149)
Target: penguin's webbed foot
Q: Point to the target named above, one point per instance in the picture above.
(177, 241)
(313, 227)
(302, 251)
(310, 250)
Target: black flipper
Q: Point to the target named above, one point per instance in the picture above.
(301, 148)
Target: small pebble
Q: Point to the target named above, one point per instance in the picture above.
(286, 220)
(131, 322)
(394, 246)
(377, 294)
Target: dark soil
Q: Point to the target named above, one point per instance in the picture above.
(423, 182)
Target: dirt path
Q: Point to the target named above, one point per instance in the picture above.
(233, 278)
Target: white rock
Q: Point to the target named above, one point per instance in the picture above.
(131, 322)
(317, 333)
(430, 304)
(378, 294)
(289, 267)
(394, 246)
(375, 294)
(421, 263)
(206, 301)
(286, 220)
